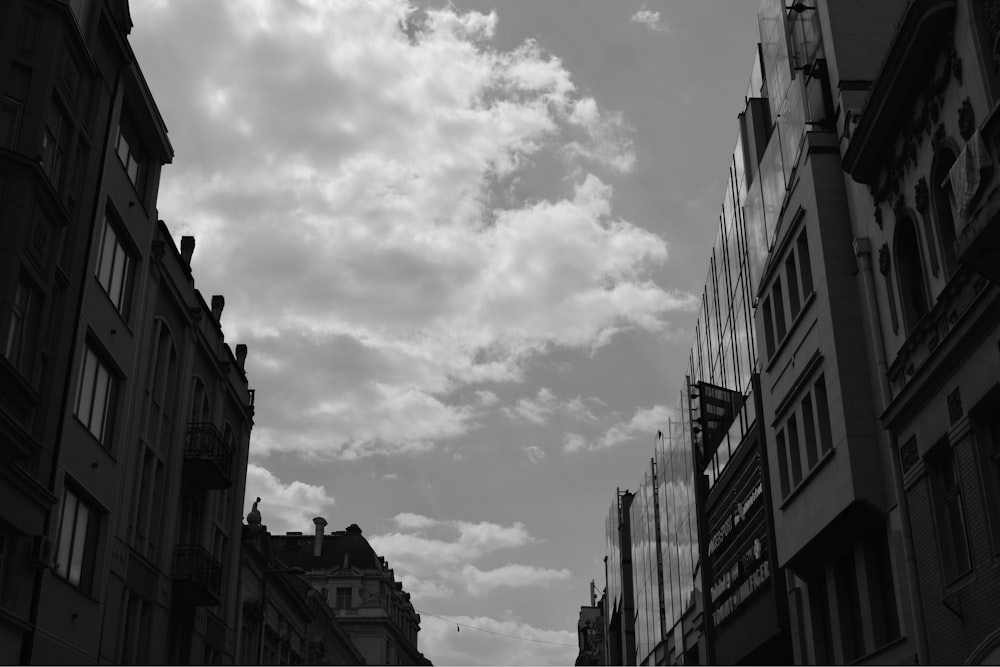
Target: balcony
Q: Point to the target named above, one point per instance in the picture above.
(208, 458)
(197, 576)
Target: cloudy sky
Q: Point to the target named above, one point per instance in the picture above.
(462, 242)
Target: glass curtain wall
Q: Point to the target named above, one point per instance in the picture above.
(724, 351)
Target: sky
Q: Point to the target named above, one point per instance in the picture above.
(464, 244)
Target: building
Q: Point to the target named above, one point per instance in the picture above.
(590, 632)
(369, 604)
(840, 411)
(921, 151)
(284, 620)
(125, 417)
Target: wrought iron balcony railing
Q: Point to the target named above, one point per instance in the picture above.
(208, 458)
(197, 575)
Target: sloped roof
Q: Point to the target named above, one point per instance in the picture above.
(296, 550)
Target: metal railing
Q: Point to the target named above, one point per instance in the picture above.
(204, 442)
(198, 571)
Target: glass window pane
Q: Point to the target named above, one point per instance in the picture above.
(66, 532)
(117, 286)
(101, 384)
(85, 395)
(79, 543)
(106, 262)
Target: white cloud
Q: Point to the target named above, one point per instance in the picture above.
(409, 521)
(644, 424)
(479, 582)
(650, 19)
(285, 507)
(341, 173)
(486, 398)
(535, 454)
(537, 410)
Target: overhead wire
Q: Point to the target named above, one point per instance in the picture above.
(499, 634)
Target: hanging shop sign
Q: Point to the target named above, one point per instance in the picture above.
(738, 546)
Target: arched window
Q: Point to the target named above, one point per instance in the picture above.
(910, 270)
(941, 202)
(200, 409)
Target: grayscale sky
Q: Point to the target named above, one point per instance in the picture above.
(464, 245)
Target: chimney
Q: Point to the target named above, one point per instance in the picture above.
(187, 249)
(318, 542)
(241, 355)
(218, 303)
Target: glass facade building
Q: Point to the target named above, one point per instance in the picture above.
(724, 351)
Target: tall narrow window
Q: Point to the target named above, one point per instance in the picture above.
(941, 197)
(792, 278)
(823, 415)
(77, 538)
(779, 310)
(768, 327)
(130, 152)
(989, 451)
(55, 144)
(12, 105)
(114, 268)
(20, 344)
(909, 266)
(805, 265)
(95, 398)
(782, 463)
(343, 598)
(809, 431)
(952, 533)
(793, 450)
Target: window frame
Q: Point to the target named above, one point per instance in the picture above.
(119, 282)
(110, 395)
(939, 461)
(83, 554)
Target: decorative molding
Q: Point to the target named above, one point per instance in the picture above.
(878, 216)
(966, 119)
(955, 410)
(921, 194)
(908, 454)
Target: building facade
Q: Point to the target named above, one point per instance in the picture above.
(283, 619)
(125, 417)
(360, 587)
(846, 359)
(921, 154)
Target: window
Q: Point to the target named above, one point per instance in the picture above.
(114, 268)
(950, 512)
(77, 540)
(55, 144)
(815, 417)
(989, 450)
(941, 197)
(793, 450)
(343, 598)
(95, 398)
(162, 389)
(909, 267)
(768, 327)
(21, 339)
(779, 310)
(79, 8)
(805, 266)
(148, 496)
(792, 278)
(130, 152)
(12, 105)
(782, 463)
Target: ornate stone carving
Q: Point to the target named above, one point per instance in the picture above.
(955, 410)
(966, 119)
(921, 194)
(908, 454)
(878, 216)
(884, 260)
(939, 136)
